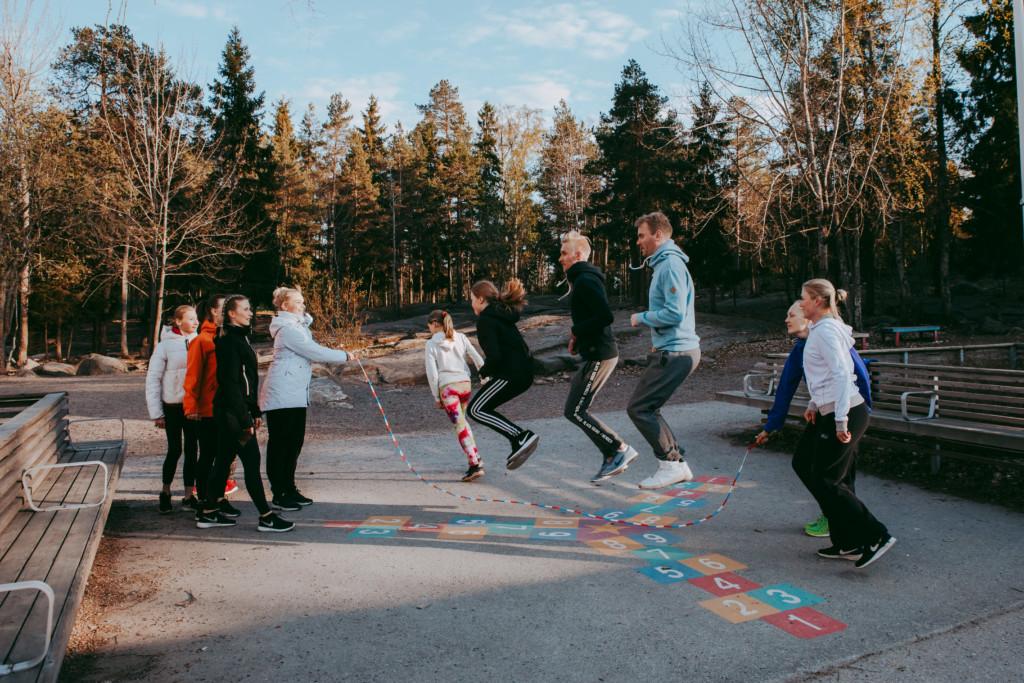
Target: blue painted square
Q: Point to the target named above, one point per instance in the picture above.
(476, 520)
(614, 513)
(664, 555)
(646, 509)
(510, 528)
(669, 572)
(653, 537)
(689, 485)
(785, 596)
(678, 504)
(371, 533)
(553, 535)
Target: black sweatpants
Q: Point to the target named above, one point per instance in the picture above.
(483, 407)
(180, 432)
(587, 381)
(826, 466)
(228, 448)
(207, 454)
(287, 432)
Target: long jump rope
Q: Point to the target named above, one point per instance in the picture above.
(557, 508)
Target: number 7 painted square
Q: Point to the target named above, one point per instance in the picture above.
(805, 622)
(738, 608)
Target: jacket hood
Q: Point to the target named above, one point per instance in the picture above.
(581, 267)
(439, 338)
(665, 251)
(502, 312)
(168, 334)
(842, 328)
(209, 328)
(285, 318)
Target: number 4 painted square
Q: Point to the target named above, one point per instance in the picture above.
(805, 622)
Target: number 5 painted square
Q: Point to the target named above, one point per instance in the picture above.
(805, 622)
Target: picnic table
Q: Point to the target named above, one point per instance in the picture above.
(898, 330)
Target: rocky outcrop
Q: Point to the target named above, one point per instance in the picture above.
(54, 369)
(97, 364)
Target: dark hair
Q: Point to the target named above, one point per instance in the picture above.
(230, 304)
(206, 306)
(513, 294)
(443, 319)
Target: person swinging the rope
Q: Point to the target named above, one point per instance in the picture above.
(592, 339)
(507, 364)
(675, 351)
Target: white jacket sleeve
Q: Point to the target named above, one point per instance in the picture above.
(295, 341)
(431, 363)
(836, 353)
(474, 355)
(155, 382)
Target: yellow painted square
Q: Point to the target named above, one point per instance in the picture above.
(556, 523)
(716, 488)
(616, 545)
(738, 608)
(384, 520)
(460, 532)
(657, 520)
(713, 564)
(652, 498)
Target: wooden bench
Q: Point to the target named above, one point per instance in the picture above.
(861, 339)
(899, 330)
(978, 412)
(54, 501)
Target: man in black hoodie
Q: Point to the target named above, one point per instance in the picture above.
(593, 340)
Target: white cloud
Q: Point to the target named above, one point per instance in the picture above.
(398, 32)
(598, 32)
(199, 10)
(385, 86)
(536, 92)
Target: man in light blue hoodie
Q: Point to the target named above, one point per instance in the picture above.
(675, 351)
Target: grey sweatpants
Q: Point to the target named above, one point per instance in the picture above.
(587, 381)
(666, 370)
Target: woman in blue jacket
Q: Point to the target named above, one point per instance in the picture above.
(792, 374)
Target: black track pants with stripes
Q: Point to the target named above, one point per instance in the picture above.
(483, 407)
(587, 381)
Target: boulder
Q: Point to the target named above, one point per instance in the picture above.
(29, 369)
(325, 391)
(548, 365)
(98, 364)
(407, 369)
(54, 369)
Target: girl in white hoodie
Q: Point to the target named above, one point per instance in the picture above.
(448, 375)
(837, 418)
(165, 391)
(284, 395)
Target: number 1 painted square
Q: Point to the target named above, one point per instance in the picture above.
(805, 622)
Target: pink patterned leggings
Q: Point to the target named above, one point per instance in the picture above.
(454, 398)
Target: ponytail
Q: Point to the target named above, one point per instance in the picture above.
(820, 288)
(444, 319)
(513, 294)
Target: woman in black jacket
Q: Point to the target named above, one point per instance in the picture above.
(237, 414)
(507, 364)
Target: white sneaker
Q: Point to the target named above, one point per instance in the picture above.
(669, 472)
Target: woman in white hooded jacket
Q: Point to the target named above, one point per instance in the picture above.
(165, 391)
(284, 395)
(837, 418)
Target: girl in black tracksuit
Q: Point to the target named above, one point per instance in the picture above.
(507, 364)
(237, 414)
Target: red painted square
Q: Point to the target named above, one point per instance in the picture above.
(685, 493)
(726, 583)
(805, 622)
(341, 524)
(421, 527)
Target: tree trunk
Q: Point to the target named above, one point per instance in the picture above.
(124, 301)
(24, 290)
(941, 173)
(58, 342)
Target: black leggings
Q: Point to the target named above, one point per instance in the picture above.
(207, 454)
(826, 466)
(176, 427)
(286, 428)
(483, 407)
(228, 447)
(589, 380)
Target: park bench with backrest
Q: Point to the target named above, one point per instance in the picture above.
(898, 331)
(54, 501)
(975, 410)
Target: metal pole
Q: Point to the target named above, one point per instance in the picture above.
(1018, 45)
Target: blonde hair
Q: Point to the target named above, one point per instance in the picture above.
(443, 319)
(180, 311)
(820, 288)
(655, 221)
(513, 294)
(282, 294)
(577, 241)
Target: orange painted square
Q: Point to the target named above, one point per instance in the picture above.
(556, 523)
(738, 608)
(713, 564)
(616, 545)
(652, 498)
(458, 532)
(385, 521)
(656, 520)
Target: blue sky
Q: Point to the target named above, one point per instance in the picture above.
(516, 53)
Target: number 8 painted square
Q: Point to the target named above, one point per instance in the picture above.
(738, 608)
(784, 596)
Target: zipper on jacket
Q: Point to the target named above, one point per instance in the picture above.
(246, 380)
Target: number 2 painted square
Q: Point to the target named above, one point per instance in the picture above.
(738, 608)
(805, 622)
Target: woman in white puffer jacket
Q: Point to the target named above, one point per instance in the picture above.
(284, 395)
(165, 391)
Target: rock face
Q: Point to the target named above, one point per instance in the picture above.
(325, 391)
(54, 369)
(96, 364)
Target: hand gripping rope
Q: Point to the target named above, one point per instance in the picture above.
(556, 508)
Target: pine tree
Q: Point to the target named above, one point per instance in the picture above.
(292, 210)
(491, 250)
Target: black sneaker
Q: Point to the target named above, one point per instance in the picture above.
(165, 504)
(285, 502)
(617, 464)
(227, 509)
(875, 550)
(834, 552)
(302, 500)
(524, 447)
(473, 473)
(212, 520)
(274, 523)
(191, 503)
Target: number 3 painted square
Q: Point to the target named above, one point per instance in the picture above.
(784, 596)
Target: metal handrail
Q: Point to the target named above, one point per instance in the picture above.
(749, 390)
(932, 404)
(45, 589)
(26, 485)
